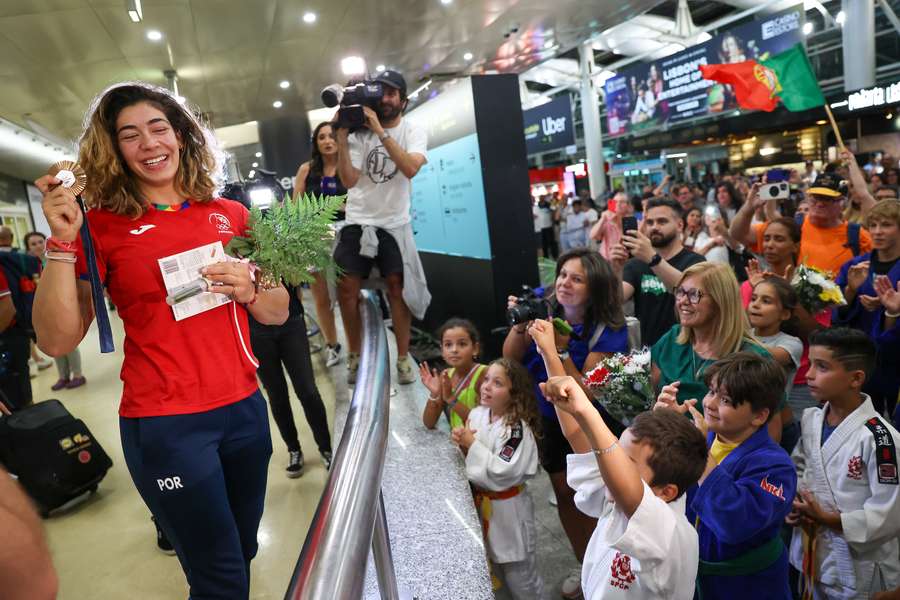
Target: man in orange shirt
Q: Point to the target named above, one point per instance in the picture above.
(827, 241)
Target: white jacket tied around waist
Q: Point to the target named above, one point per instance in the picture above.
(415, 286)
(855, 473)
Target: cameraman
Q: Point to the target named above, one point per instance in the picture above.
(376, 165)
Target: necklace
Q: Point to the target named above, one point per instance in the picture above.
(703, 364)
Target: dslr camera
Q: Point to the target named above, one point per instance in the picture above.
(352, 99)
(529, 306)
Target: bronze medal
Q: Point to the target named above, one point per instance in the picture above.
(71, 174)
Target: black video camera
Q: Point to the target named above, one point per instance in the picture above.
(529, 306)
(352, 100)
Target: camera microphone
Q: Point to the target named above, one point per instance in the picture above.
(331, 95)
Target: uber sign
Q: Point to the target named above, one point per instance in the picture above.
(549, 126)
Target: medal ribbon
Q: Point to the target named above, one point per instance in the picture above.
(106, 337)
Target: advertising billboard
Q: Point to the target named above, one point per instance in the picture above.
(549, 126)
(671, 89)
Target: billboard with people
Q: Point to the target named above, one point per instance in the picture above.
(672, 89)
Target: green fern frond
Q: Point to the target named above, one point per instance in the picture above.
(291, 239)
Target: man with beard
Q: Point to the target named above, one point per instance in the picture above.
(657, 260)
(376, 165)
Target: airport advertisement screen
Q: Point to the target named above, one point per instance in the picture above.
(549, 126)
(671, 89)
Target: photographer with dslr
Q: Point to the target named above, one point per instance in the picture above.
(376, 164)
(587, 296)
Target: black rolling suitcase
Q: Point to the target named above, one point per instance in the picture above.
(54, 455)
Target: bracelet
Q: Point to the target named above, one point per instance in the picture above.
(60, 257)
(433, 399)
(563, 354)
(891, 315)
(62, 245)
(605, 450)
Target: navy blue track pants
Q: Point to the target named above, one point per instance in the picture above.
(203, 476)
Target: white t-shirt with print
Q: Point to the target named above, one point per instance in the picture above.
(381, 195)
(793, 346)
(653, 554)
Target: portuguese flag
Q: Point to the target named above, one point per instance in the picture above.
(760, 85)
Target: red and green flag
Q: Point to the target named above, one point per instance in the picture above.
(759, 85)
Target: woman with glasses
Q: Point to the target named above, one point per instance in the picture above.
(712, 325)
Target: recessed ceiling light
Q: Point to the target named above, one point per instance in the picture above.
(284, 84)
(154, 35)
(353, 65)
(446, 2)
(467, 56)
(380, 68)
(309, 17)
(254, 165)
(278, 104)
(259, 155)
(808, 28)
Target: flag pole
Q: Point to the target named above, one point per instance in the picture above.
(837, 132)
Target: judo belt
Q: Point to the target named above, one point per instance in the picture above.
(758, 559)
(809, 538)
(483, 500)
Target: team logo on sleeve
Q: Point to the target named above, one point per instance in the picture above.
(515, 438)
(778, 492)
(885, 452)
(854, 468)
(221, 222)
(621, 574)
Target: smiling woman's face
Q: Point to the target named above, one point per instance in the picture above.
(149, 144)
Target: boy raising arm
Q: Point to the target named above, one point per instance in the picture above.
(643, 546)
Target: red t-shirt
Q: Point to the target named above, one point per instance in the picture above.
(4, 286)
(170, 368)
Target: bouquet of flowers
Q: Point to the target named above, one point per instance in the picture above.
(621, 383)
(290, 240)
(815, 289)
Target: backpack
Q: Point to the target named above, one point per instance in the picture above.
(852, 234)
(22, 272)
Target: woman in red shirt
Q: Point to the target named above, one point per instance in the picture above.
(194, 426)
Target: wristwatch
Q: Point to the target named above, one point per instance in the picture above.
(563, 355)
(655, 260)
(383, 137)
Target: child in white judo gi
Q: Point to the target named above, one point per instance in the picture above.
(501, 455)
(848, 511)
(643, 545)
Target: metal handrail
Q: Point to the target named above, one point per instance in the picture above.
(332, 563)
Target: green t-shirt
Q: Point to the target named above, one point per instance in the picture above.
(679, 362)
(467, 397)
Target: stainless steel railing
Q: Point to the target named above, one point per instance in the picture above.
(350, 518)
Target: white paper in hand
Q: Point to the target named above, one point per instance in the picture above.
(183, 268)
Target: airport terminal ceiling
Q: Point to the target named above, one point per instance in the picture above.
(231, 55)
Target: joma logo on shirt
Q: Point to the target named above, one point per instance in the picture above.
(778, 492)
(650, 284)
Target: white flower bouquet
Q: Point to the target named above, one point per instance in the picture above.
(621, 383)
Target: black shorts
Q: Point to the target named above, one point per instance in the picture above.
(555, 447)
(348, 259)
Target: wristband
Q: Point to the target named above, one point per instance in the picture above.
(61, 245)
(563, 355)
(605, 450)
(65, 257)
(891, 315)
(655, 260)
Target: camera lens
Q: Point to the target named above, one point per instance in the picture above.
(773, 191)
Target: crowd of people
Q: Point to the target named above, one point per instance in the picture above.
(767, 466)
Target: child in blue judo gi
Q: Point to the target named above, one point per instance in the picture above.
(748, 485)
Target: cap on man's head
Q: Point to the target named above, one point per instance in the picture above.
(393, 79)
(828, 184)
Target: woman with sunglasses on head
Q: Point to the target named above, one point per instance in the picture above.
(194, 426)
(712, 325)
(319, 177)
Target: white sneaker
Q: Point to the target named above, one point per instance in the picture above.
(44, 363)
(332, 355)
(32, 368)
(571, 585)
(552, 499)
(405, 372)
